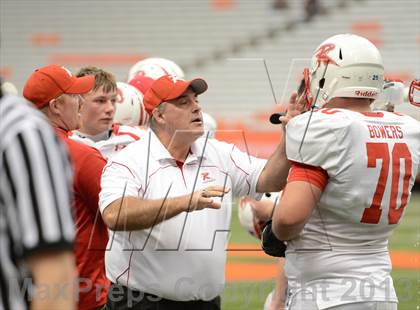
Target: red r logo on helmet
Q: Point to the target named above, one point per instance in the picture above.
(321, 54)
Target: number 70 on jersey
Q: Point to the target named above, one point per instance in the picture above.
(381, 151)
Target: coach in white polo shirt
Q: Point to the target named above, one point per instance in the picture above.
(167, 200)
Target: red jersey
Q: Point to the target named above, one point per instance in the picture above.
(91, 232)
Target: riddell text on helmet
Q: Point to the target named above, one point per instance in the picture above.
(366, 93)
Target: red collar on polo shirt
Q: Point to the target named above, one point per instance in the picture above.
(180, 164)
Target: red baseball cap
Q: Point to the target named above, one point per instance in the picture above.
(52, 81)
(168, 88)
(141, 82)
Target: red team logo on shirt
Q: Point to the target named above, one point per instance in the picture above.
(206, 177)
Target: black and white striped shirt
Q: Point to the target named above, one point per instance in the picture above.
(35, 195)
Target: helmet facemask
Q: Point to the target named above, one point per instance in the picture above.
(414, 93)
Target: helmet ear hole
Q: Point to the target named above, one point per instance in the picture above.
(321, 83)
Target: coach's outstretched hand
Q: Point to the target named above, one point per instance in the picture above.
(270, 244)
(204, 198)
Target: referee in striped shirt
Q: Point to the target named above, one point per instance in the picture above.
(37, 266)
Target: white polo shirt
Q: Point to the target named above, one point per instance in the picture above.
(182, 258)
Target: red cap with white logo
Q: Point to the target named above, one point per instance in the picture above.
(168, 88)
(52, 81)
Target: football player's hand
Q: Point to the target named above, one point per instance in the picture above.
(270, 244)
(295, 107)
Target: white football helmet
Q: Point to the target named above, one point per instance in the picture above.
(155, 68)
(391, 96)
(411, 101)
(247, 216)
(9, 88)
(345, 65)
(129, 109)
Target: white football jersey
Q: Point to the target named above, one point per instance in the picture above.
(372, 160)
(115, 140)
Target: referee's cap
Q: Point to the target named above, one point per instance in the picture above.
(169, 87)
(52, 81)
